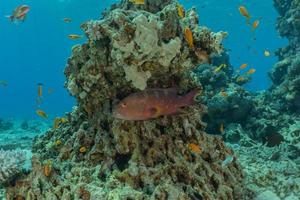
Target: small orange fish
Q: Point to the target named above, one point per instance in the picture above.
(74, 36)
(42, 114)
(189, 37)
(47, 168)
(194, 148)
(255, 24)
(40, 90)
(82, 149)
(58, 121)
(243, 66)
(180, 10)
(251, 71)
(244, 12)
(153, 103)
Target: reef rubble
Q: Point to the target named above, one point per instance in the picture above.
(95, 156)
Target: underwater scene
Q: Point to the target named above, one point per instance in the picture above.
(150, 100)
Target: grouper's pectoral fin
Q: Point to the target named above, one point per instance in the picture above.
(182, 111)
(153, 111)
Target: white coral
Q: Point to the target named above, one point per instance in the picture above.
(11, 163)
(144, 47)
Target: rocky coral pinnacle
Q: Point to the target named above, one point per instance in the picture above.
(130, 49)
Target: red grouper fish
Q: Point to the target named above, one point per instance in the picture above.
(19, 13)
(152, 103)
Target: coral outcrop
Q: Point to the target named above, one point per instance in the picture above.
(11, 164)
(94, 156)
(286, 73)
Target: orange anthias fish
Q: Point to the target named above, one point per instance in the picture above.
(180, 10)
(42, 114)
(194, 148)
(244, 12)
(40, 90)
(251, 71)
(255, 24)
(189, 37)
(19, 13)
(243, 66)
(152, 103)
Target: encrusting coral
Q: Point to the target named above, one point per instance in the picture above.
(95, 156)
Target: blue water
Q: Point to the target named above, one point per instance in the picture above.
(36, 51)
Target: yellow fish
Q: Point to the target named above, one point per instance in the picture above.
(243, 66)
(74, 36)
(63, 120)
(255, 24)
(42, 114)
(137, 2)
(267, 53)
(244, 12)
(251, 71)
(58, 121)
(40, 90)
(218, 69)
(180, 10)
(189, 37)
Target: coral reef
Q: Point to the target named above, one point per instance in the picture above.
(278, 169)
(286, 73)
(226, 99)
(11, 164)
(94, 156)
